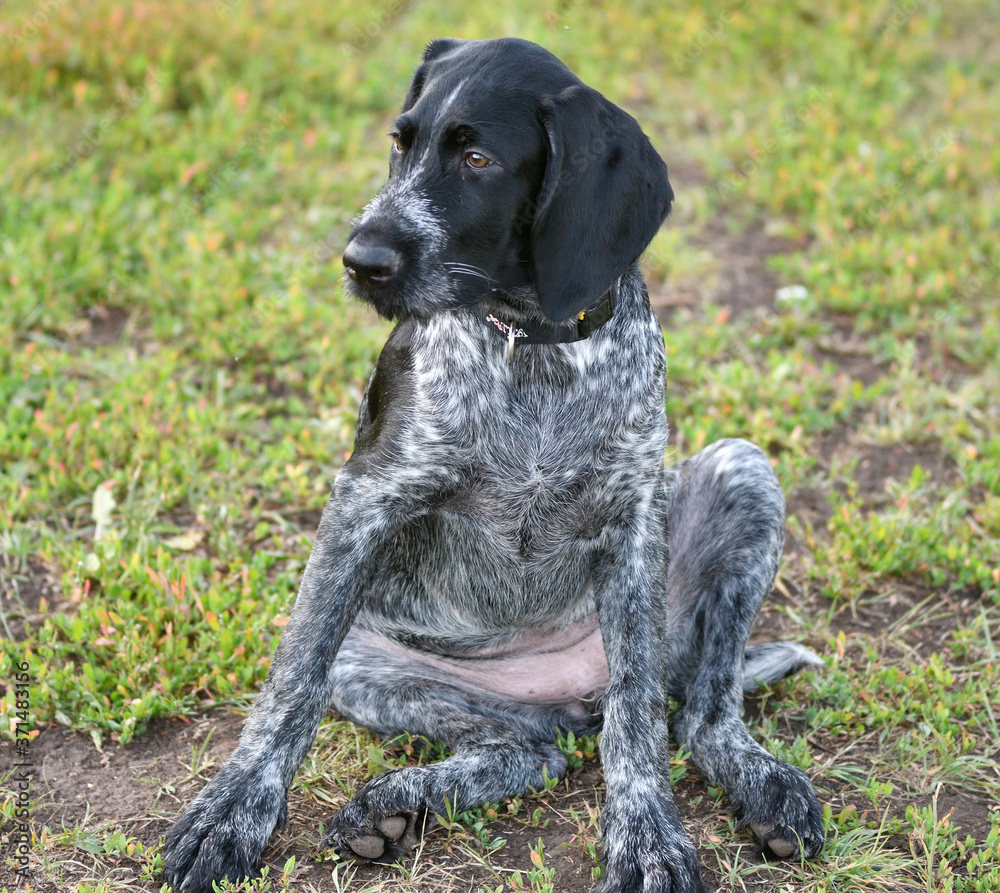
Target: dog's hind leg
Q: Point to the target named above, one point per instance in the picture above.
(725, 534)
(500, 749)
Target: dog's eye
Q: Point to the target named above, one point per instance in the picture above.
(477, 161)
(397, 143)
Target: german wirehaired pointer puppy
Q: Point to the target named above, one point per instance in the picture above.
(504, 554)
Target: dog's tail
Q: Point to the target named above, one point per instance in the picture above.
(772, 661)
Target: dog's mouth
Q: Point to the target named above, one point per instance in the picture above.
(384, 297)
(417, 288)
(405, 276)
(375, 268)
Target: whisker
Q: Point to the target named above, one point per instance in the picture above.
(460, 269)
(467, 270)
(460, 266)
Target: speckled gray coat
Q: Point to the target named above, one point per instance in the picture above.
(505, 555)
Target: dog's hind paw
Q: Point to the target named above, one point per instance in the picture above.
(379, 824)
(391, 838)
(779, 806)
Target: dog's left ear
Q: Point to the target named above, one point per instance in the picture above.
(603, 197)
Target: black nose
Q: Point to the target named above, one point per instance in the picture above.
(370, 262)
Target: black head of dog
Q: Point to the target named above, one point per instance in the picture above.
(506, 172)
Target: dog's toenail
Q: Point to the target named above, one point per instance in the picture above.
(371, 846)
(760, 830)
(393, 826)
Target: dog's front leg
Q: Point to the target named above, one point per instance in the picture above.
(646, 850)
(223, 833)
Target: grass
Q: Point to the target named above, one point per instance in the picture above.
(180, 373)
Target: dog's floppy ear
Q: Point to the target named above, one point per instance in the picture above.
(603, 197)
(435, 49)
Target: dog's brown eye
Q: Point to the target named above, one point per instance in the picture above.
(474, 159)
(397, 142)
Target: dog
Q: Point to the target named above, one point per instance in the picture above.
(504, 554)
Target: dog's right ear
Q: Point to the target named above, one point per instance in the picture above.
(435, 49)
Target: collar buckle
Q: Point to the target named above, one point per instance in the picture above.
(591, 320)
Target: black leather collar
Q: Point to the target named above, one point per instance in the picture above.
(588, 322)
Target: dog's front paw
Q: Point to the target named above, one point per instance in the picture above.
(383, 821)
(779, 806)
(222, 834)
(647, 851)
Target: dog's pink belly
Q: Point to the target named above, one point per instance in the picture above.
(562, 673)
(559, 667)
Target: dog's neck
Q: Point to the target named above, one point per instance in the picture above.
(518, 319)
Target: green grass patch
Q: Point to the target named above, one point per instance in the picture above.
(180, 375)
